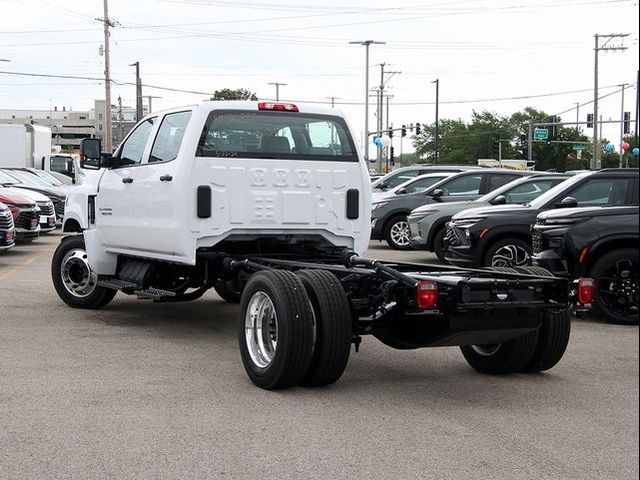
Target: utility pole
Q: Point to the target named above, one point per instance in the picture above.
(367, 44)
(437, 82)
(333, 101)
(139, 113)
(278, 85)
(149, 98)
(578, 117)
(108, 145)
(622, 127)
(596, 161)
(119, 139)
(380, 99)
(637, 108)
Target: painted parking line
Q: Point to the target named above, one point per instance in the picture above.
(24, 264)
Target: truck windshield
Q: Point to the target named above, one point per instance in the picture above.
(276, 135)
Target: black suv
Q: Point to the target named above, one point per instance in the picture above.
(600, 243)
(500, 236)
(389, 215)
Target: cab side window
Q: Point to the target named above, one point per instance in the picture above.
(133, 148)
(496, 181)
(465, 185)
(169, 139)
(602, 192)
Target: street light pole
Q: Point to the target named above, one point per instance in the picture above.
(108, 141)
(367, 44)
(437, 82)
(622, 126)
(278, 85)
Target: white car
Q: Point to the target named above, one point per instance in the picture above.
(415, 185)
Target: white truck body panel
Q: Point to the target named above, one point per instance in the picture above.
(15, 146)
(251, 197)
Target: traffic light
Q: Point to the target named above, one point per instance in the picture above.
(390, 133)
(553, 119)
(417, 129)
(496, 149)
(391, 154)
(627, 123)
(403, 131)
(589, 120)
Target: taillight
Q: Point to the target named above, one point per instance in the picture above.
(427, 295)
(586, 291)
(278, 107)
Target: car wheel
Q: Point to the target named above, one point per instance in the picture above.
(618, 286)
(73, 279)
(276, 329)
(502, 358)
(509, 252)
(332, 315)
(438, 244)
(397, 233)
(553, 338)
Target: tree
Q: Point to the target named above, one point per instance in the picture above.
(238, 94)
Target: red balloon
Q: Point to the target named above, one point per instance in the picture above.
(569, 159)
(626, 146)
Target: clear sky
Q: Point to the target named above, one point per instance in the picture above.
(481, 50)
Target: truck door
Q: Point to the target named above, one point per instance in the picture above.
(115, 200)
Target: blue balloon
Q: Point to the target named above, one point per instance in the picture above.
(377, 142)
(608, 148)
(635, 151)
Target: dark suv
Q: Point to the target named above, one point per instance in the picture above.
(500, 236)
(600, 243)
(389, 215)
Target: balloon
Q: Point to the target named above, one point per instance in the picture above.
(377, 142)
(386, 140)
(636, 151)
(608, 148)
(625, 146)
(569, 159)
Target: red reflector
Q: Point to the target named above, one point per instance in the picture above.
(427, 295)
(586, 291)
(278, 107)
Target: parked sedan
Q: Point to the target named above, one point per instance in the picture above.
(389, 215)
(428, 223)
(416, 185)
(7, 230)
(500, 236)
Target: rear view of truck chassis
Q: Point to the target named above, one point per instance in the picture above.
(300, 314)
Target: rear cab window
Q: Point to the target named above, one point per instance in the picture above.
(276, 135)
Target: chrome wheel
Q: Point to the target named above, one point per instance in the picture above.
(77, 277)
(261, 329)
(400, 233)
(486, 350)
(510, 256)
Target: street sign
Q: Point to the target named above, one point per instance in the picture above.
(541, 134)
(579, 147)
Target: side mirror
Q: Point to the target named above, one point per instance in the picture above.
(402, 191)
(438, 192)
(499, 200)
(90, 153)
(568, 202)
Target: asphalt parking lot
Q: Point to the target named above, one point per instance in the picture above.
(143, 390)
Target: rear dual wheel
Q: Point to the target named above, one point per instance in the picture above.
(294, 329)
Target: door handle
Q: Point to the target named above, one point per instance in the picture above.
(166, 178)
(127, 180)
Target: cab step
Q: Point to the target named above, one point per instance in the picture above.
(154, 294)
(117, 284)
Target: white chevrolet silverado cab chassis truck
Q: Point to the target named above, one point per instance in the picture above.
(270, 205)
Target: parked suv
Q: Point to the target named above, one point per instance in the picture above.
(389, 215)
(600, 243)
(401, 175)
(7, 230)
(25, 213)
(501, 236)
(428, 223)
(415, 185)
(29, 181)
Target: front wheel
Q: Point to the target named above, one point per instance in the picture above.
(73, 279)
(509, 252)
(618, 286)
(397, 233)
(438, 244)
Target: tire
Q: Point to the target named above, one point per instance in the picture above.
(228, 290)
(438, 244)
(397, 233)
(507, 357)
(508, 252)
(73, 279)
(278, 355)
(617, 286)
(532, 270)
(553, 338)
(333, 336)
(503, 269)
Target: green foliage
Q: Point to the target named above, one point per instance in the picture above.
(237, 94)
(464, 143)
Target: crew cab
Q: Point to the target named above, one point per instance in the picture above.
(599, 243)
(500, 236)
(269, 203)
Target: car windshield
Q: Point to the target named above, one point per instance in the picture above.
(6, 179)
(47, 177)
(549, 195)
(28, 178)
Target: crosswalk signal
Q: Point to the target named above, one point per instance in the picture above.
(589, 120)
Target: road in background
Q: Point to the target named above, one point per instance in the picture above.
(144, 390)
